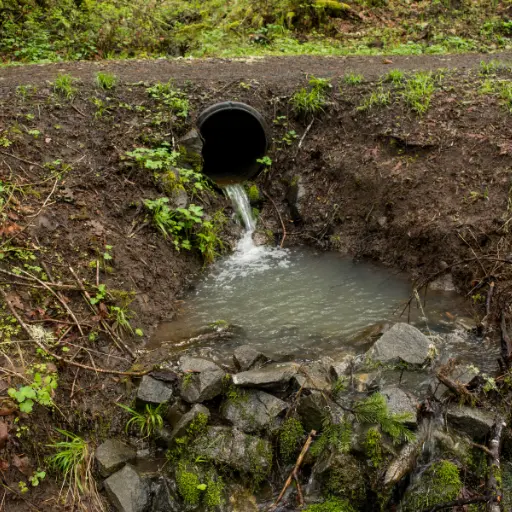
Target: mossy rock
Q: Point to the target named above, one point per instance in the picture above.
(331, 5)
(439, 483)
(331, 505)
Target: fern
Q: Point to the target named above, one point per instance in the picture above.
(335, 436)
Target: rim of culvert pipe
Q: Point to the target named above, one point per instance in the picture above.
(235, 136)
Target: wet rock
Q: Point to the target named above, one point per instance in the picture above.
(246, 358)
(275, 377)
(127, 491)
(342, 368)
(112, 455)
(296, 198)
(164, 496)
(165, 375)
(242, 500)
(230, 446)
(462, 373)
(253, 411)
(402, 343)
(313, 376)
(181, 428)
(154, 391)
(176, 411)
(476, 423)
(203, 379)
(400, 402)
(366, 381)
(313, 409)
(341, 474)
(443, 283)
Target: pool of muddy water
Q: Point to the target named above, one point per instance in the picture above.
(300, 303)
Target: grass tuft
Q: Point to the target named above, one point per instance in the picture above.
(353, 79)
(418, 92)
(106, 81)
(63, 86)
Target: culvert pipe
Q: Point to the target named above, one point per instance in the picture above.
(235, 136)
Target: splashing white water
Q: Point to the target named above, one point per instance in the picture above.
(248, 257)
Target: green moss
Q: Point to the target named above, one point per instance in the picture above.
(346, 479)
(188, 483)
(253, 193)
(331, 505)
(214, 490)
(373, 446)
(198, 426)
(258, 471)
(187, 380)
(439, 484)
(290, 435)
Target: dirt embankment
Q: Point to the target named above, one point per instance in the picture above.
(427, 193)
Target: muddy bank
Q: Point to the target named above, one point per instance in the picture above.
(426, 193)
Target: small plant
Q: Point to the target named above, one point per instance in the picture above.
(290, 435)
(174, 99)
(147, 422)
(34, 133)
(37, 477)
(120, 316)
(491, 67)
(106, 80)
(155, 159)
(253, 193)
(74, 461)
(289, 137)
(339, 387)
(336, 436)
(395, 76)
(265, 160)
(353, 79)
(418, 92)
(40, 390)
(378, 98)
(331, 505)
(313, 101)
(506, 95)
(63, 86)
(100, 294)
(102, 108)
(24, 91)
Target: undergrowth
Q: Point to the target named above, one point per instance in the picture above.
(312, 101)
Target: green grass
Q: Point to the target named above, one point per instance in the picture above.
(106, 81)
(63, 86)
(312, 101)
(146, 423)
(395, 76)
(353, 79)
(418, 92)
(378, 98)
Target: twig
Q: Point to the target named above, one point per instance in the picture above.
(21, 159)
(56, 356)
(489, 299)
(305, 133)
(46, 200)
(494, 479)
(280, 218)
(117, 340)
(294, 474)
(506, 342)
(97, 273)
(457, 388)
(77, 110)
(59, 298)
(459, 503)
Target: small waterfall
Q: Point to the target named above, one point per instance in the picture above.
(241, 202)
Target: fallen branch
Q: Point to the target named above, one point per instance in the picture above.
(280, 218)
(60, 358)
(21, 159)
(305, 133)
(506, 342)
(489, 299)
(494, 478)
(117, 340)
(294, 474)
(457, 388)
(459, 503)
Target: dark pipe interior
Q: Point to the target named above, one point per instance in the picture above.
(234, 136)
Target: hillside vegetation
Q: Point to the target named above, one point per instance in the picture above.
(55, 30)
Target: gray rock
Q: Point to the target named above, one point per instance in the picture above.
(165, 497)
(203, 381)
(192, 142)
(112, 455)
(253, 411)
(296, 198)
(274, 377)
(402, 343)
(476, 423)
(366, 381)
(154, 391)
(127, 491)
(230, 446)
(247, 358)
(181, 428)
(443, 283)
(314, 408)
(400, 402)
(313, 376)
(342, 368)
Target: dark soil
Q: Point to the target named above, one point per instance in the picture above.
(422, 193)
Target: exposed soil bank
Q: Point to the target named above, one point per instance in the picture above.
(426, 194)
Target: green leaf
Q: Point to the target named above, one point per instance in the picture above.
(27, 406)
(139, 332)
(202, 487)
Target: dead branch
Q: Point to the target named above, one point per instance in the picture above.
(60, 358)
(506, 342)
(489, 299)
(294, 474)
(494, 480)
(21, 159)
(457, 388)
(459, 503)
(47, 199)
(305, 133)
(280, 218)
(117, 340)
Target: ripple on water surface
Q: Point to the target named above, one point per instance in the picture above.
(302, 303)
